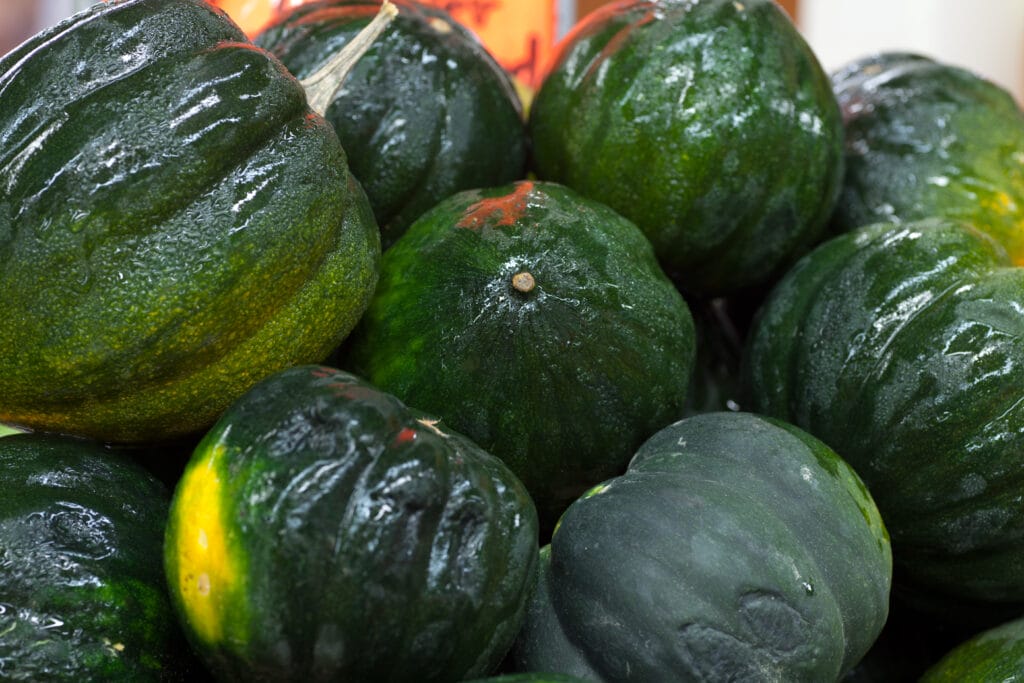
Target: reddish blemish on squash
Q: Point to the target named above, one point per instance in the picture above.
(510, 207)
(406, 435)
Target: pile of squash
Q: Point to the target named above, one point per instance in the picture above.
(324, 358)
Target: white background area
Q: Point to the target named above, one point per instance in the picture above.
(986, 36)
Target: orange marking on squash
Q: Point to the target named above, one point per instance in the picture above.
(615, 43)
(510, 206)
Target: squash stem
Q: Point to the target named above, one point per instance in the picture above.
(523, 282)
(322, 85)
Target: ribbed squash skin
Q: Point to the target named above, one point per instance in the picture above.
(995, 655)
(82, 590)
(734, 547)
(426, 112)
(902, 347)
(564, 381)
(925, 139)
(709, 124)
(325, 531)
(175, 223)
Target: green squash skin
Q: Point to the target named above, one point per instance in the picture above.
(563, 382)
(925, 139)
(995, 655)
(734, 547)
(82, 591)
(175, 223)
(339, 535)
(901, 347)
(426, 112)
(709, 124)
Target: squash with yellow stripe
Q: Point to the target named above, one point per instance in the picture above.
(323, 530)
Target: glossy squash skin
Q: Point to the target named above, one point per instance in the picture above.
(175, 223)
(709, 124)
(926, 139)
(902, 347)
(537, 323)
(323, 530)
(995, 655)
(82, 590)
(734, 547)
(426, 112)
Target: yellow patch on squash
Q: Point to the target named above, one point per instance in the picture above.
(210, 576)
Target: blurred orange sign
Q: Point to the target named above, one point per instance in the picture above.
(519, 33)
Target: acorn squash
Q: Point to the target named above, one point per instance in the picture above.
(711, 125)
(425, 112)
(735, 547)
(175, 223)
(324, 531)
(82, 589)
(537, 323)
(902, 347)
(926, 139)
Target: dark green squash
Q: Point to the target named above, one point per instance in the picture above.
(175, 223)
(539, 324)
(82, 589)
(995, 655)
(902, 347)
(709, 124)
(426, 112)
(734, 547)
(325, 531)
(926, 139)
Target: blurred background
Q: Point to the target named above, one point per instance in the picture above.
(986, 36)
